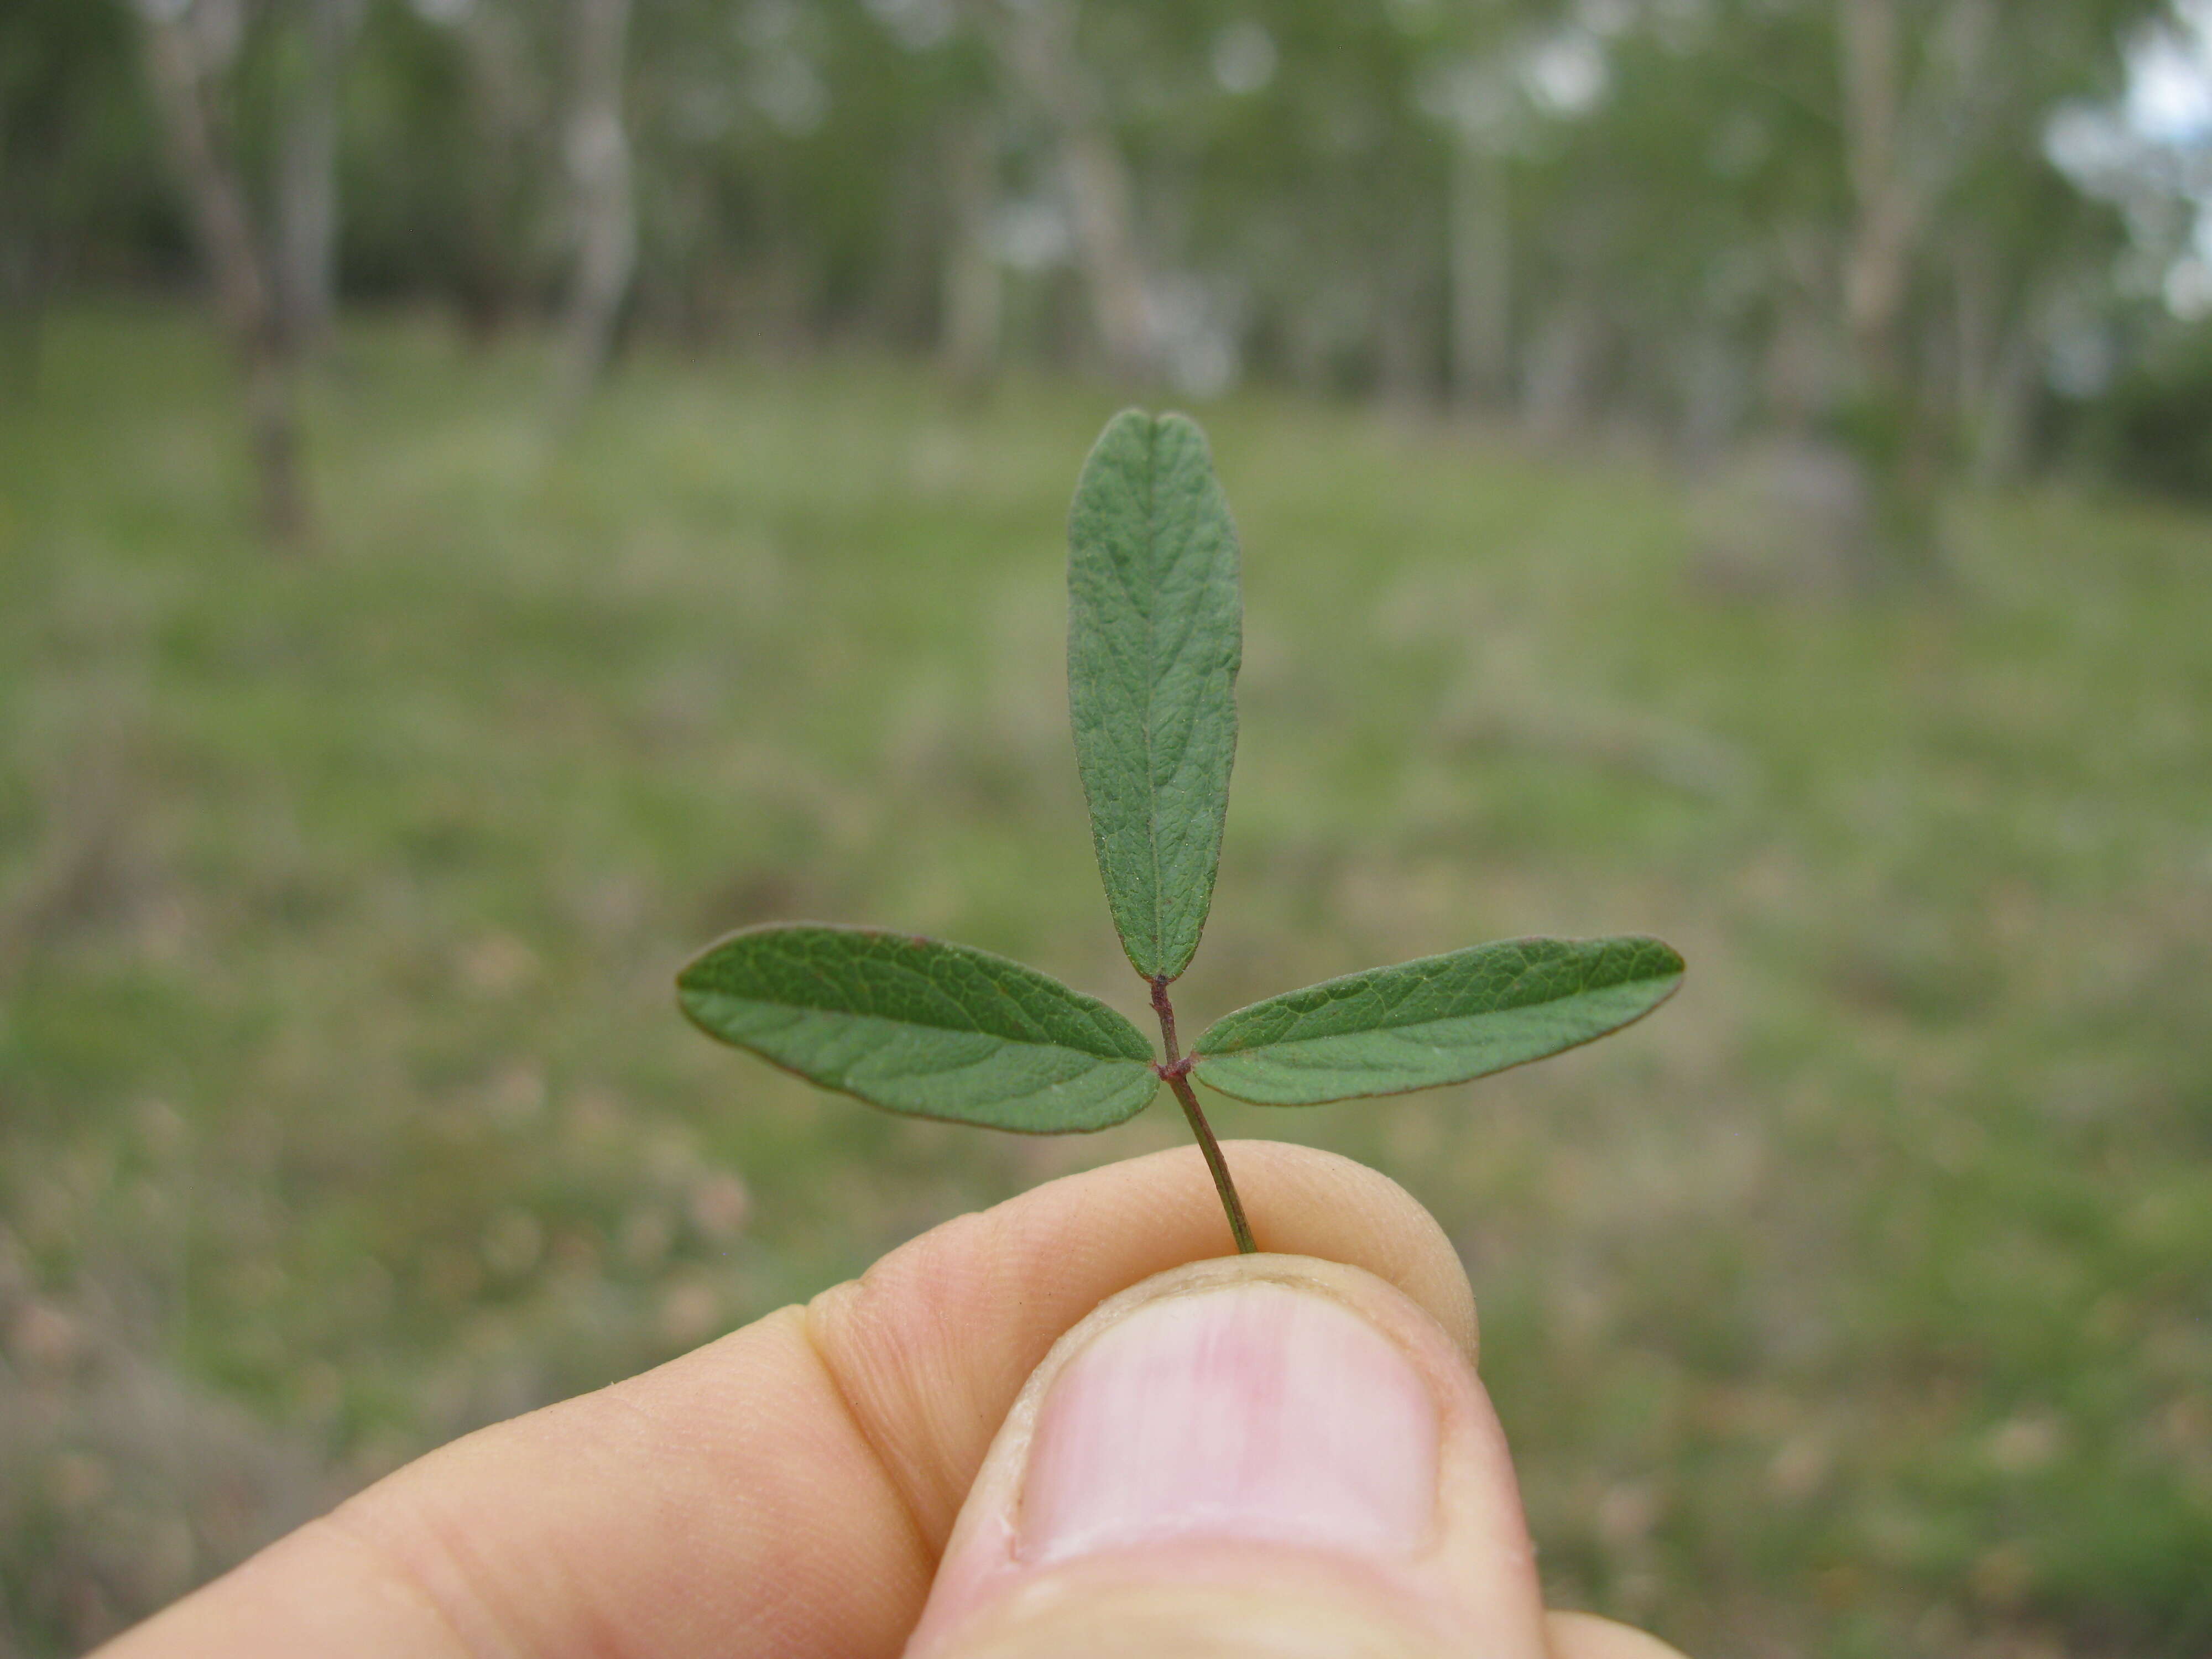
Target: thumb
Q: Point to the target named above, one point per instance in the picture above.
(1267, 1456)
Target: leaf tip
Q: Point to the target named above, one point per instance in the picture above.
(1132, 426)
(1665, 959)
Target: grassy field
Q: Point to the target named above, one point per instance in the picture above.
(1860, 1303)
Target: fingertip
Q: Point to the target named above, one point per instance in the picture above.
(1232, 1439)
(1586, 1636)
(1348, 1212)
(932, 1343)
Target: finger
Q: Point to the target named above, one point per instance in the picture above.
(1585, 1636)
(935, 1340)
(786, 1490)
(1264, 1455)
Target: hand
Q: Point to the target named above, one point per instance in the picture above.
(1054, 1428)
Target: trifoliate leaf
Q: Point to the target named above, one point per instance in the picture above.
(918, 1026)
(1155, 634)
(1441, 1019)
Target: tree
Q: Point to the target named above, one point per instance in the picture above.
(597, 153)
(306, 216)
(189, 44)
(1034, 44)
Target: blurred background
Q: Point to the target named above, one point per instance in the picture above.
(494, 492)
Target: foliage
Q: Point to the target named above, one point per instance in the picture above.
(1651, 206)
(78, 197)
(2154, 428)
(1155, 637)
(1444, 1019)
(916, 1025)
(1155, 634)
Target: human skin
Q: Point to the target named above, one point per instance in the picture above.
(1089, 1432)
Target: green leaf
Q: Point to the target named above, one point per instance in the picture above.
(1441, 1019)
(918, 1026)
(1155, 634)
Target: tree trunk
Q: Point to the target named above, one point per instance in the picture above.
(974, 302)
(1998, 314)
(307, 186)
(1562, 393)
(1876, 269)
(22, 303)
(223, 225)
(1405, 343)
(1034, 43)
(2005, 411)
(507, 102)
(1481, 279)
(598, 147)
(1876, 281)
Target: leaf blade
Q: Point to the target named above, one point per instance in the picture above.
(921, 1027)
(1155, 640)
(1435, 1020)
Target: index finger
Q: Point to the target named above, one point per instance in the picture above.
(786, 1490)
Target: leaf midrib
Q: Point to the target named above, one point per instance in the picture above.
(1151, 688)
(813, 972)
(1400, 1022)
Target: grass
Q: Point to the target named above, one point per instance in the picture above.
(1855, 1304)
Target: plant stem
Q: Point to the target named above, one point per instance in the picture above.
(1176, 1073)
(1165, 1010)
(1239, 1229)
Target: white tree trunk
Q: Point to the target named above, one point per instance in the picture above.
(1885, 215)
(223, 225)
(2004, 412)
(508, 101)
(974, 298)
(597, 153)
(1877, 277)
(307, 183)
(1481, 279)
(1405, 341)
(1034, 43)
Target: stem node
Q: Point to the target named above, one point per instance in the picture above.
(1176, 1074)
